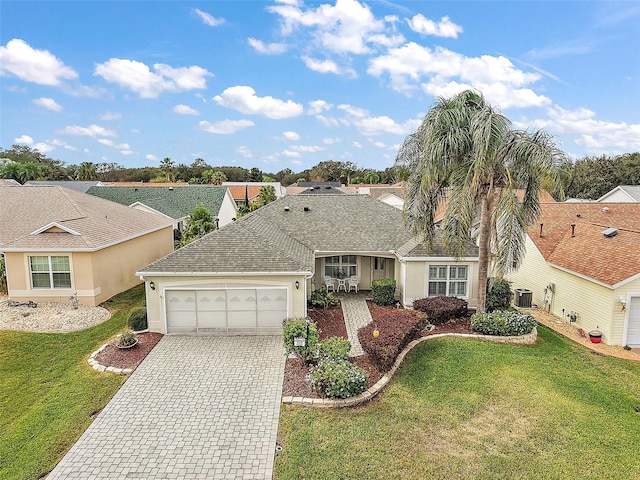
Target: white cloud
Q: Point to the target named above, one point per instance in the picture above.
(379, 145)
(43, 147)
(444, 28)
(137, 77)
(209, 19)
(185, 110)
(442, 72)
(225, 127)
(23, 140)
(331, 141)
(305, 148)
(318, 106)
(90, 131)
(370, 126)
(327, 66)
(291, 154)
(244, 99)
(37, 66)
(151, 157)
(245, 151)
(289, 135)
(110, 143)
(48, 103)
(356, 144)
(348, 27)
(110, 116)
(267, 48)
(596, 136)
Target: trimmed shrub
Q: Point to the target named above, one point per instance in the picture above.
(441, 309)
(299, 327)
(338, 379)
(138, 320)
(503, 323)
(334, 348)
(323, 299)
(396, 329)
(499, 294)
(383, 291)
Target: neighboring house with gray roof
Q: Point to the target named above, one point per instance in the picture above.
(248, 276)
(58, 242)
(622, 194)
(77, 185)
(173, 202)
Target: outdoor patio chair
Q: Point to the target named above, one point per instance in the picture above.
(330, 283)
(353, 282)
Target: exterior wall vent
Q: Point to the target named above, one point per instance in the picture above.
(610, 232)
(306, 209)
(286, 209)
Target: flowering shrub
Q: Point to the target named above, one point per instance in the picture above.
(441, 309)
(334, 348)
(396, 329)
(300, 328)
(503, 323)
(337, 379)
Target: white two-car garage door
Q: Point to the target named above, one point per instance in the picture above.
(231, 311)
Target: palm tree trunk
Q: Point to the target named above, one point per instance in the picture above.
(483, 252)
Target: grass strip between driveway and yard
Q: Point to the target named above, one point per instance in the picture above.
(464, 408)
(48, 392)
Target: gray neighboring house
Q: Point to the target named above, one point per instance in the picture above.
(622, 194)
(173, 202)
(247, 277)
(77, 185)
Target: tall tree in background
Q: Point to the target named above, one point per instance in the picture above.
(87, 171)
(200, 223)
(166, 165)
(371, 177)
(466, 153)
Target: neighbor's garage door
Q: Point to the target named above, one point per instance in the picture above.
(237, 311)
(633, 328)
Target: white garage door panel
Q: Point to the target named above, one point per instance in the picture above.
(633, 329)
(235, 311)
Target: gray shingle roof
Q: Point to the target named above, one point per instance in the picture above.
(175, 202)
(77, 185)
(97, 222)
(274, 239)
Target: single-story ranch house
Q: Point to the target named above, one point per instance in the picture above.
(58, 242)
(248, 276)
(582, 264)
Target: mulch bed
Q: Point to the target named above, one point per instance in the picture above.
(331, 323)
(113, 356)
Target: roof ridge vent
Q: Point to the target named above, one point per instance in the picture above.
(610, 232)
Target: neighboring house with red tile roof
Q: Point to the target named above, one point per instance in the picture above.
(240, 191)
(57, 242)
(584, 258)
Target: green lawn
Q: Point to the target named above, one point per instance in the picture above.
(48, 391)
(462, 408)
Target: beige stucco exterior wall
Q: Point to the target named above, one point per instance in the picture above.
(415, 280)
(95, 276)
(595, 304)
(297, 306)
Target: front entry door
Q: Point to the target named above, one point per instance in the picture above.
(379, 264)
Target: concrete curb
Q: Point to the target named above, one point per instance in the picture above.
(371, 392)
(101, 368)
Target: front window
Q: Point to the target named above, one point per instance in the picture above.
(448, 280)
(50, 272)
(340, 266)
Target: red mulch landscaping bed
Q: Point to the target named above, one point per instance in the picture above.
(331, 323)
(113, 356)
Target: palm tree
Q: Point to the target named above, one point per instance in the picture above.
(166, 164)
(465, 152)
(218, 177)
(87, 171)
(371, 176)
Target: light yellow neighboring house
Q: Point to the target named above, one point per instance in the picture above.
(582, 262)
(58, 242)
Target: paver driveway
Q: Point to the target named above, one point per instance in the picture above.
(197, 407)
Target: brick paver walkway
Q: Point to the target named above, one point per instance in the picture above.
(196, 408)
(356, 315)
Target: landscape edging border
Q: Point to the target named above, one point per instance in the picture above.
(528, 339)
(101, 368)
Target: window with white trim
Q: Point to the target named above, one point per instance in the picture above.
(50, 272)
(341, 266)
(448, 280)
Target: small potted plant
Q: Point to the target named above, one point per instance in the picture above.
(595, 336)
(126, 340)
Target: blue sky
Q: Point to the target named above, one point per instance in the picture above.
(287, 84)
